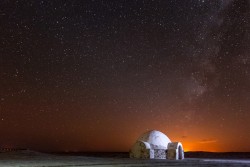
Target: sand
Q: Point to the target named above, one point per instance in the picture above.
(35, 159)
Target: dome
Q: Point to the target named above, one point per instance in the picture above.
(155, 137)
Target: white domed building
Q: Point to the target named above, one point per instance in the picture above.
(156, 145)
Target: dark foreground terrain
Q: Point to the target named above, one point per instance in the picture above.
(35, 159)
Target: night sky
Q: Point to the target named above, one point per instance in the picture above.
(93, 75)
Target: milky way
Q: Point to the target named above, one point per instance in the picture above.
(93, 75)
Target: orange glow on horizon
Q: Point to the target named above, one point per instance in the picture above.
(198, 146)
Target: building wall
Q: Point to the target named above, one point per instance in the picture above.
(140, 150)
(160, 154)
(143, 154)
(175, 151)
(172, 154)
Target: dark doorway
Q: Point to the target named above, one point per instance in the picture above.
(180, 153)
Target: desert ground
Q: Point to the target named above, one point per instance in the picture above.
(36, 159)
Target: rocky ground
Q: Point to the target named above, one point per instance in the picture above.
(35, 159)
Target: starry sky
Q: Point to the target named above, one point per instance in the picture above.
(93, 75)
